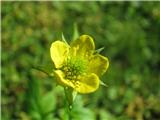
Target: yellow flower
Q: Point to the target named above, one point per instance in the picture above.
(78, 65)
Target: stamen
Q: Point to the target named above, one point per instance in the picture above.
(73, 68)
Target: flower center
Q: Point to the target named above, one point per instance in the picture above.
(73, 68)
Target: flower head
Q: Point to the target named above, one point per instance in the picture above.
(78, 66)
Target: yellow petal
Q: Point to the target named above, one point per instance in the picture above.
(59, 52)
(83, 46)
(60, 79)
(87, 84)
(98, 64)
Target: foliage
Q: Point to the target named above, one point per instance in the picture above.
(129, 33)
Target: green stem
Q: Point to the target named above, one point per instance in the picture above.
(69, 115)
(68, 109)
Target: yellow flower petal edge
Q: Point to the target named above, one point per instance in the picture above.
(98, 64)
(87, 84)
(60, 79)
(83, 46)
(59, 52)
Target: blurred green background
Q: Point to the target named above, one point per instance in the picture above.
(130, 33)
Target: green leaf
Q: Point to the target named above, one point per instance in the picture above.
(75, 32)
(48, 103)
(35, 115)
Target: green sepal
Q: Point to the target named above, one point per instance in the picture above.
(103, 84)
(70, 96)
(64, 40)
(99, 50)
(75, 32)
